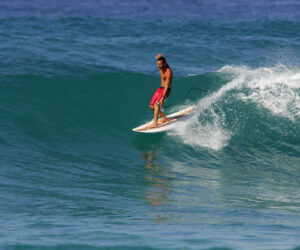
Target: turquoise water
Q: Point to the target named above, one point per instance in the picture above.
(76, 77)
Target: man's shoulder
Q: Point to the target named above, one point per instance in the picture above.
(169, 71)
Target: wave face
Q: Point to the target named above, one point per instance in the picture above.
(77, 76)
(243, 104)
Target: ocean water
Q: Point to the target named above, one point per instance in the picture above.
(77, 76)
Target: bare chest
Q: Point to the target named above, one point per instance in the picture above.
(163, 76)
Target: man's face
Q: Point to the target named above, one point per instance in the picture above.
(160, 64)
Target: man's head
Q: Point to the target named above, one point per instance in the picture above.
(161, 62)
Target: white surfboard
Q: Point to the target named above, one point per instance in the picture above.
(163, 126)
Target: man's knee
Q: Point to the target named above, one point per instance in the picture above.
(151, 106)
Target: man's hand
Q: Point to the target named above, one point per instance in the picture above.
(159, 55)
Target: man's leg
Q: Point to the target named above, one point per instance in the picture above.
(160, 113)
(164, 118)
(157, 111)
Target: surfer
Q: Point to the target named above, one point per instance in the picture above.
(162, 93)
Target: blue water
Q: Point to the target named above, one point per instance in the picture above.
(77, 76)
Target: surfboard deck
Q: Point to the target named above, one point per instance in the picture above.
(163, 126)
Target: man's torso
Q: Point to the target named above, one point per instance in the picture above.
(164, 77)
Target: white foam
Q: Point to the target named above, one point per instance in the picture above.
(274, 89)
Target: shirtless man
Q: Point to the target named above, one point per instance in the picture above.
(162, 93)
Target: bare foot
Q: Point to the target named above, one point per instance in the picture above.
(153, 126)
(161, 120)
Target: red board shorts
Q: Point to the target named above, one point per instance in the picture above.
(158, 95)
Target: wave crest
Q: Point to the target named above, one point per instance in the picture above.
(274, 92)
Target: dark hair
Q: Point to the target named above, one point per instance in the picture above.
(162, 59)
